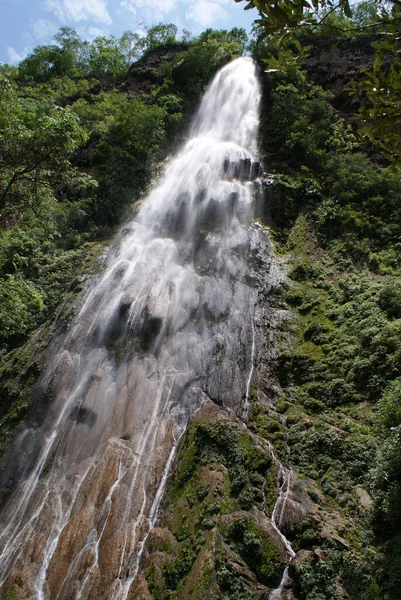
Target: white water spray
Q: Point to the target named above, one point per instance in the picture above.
(163, 329)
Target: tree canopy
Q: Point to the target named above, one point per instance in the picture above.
(288, 24)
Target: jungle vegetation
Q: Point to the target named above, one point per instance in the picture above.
(78, 148)
(336, 208)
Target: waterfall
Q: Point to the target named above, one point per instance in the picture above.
(167, 325)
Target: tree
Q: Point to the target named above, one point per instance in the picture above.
(131, 45)
(105, 58)
(161, 34)
(123, 155)
(36, 143)
(380, 116)
(284, 20)
(68, 39)
(46, 62)
(207, 53)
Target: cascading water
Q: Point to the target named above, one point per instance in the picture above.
(168, 325)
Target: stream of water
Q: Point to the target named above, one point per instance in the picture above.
(167, 325)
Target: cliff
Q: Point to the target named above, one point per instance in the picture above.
(276, 490)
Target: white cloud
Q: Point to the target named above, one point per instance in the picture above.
(150, 10)
(79, 10)
(94, 32)
(14, 56)
(43, 30)
(205, 13)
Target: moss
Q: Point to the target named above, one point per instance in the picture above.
(282, 405)
(331, 378)
(221, 469)
(373, 591)
(270, 490)
(155, 581)
(181, 565)
(17, 584)
(270, 568)
(257, 550)
(200, 580)
(21, 368)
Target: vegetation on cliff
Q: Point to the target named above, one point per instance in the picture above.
(337, 213)
(78, 145)
(334, 215)
(79, 138)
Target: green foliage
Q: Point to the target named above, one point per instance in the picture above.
(285, 22)
(106, 58)
(355, 206)
(390, 298)
(219, 443)
(182, 564)
(364, 19)
(387, 481)
(160, 34)
(187, 75)
(230, 584)
(123, 155)
(36, 143)
(221, 470)
(47, 62)
(281, 16)
(302, 128)
(394, 569)
(316, 579)
(388, 415)
(20, 304)
(75, 151)
(256, 549)
(380, 115)
(373, 592)
(346, 349)
(345, 352)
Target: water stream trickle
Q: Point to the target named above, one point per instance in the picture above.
(249, 380)
(284, 481)
(164, 328)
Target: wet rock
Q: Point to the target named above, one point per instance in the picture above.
(256, 170)
(262, 522)
(297, 504)
(365, 500)
(244, 169)
(339, 589)
(282, 595)
(147, 331)
(83, 416)
(101, 491)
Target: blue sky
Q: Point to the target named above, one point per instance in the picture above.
(25, 24)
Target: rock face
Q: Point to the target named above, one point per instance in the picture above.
(333, 63)
(217, 536)
(177, 372)
(159, 333)
(146, 72)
